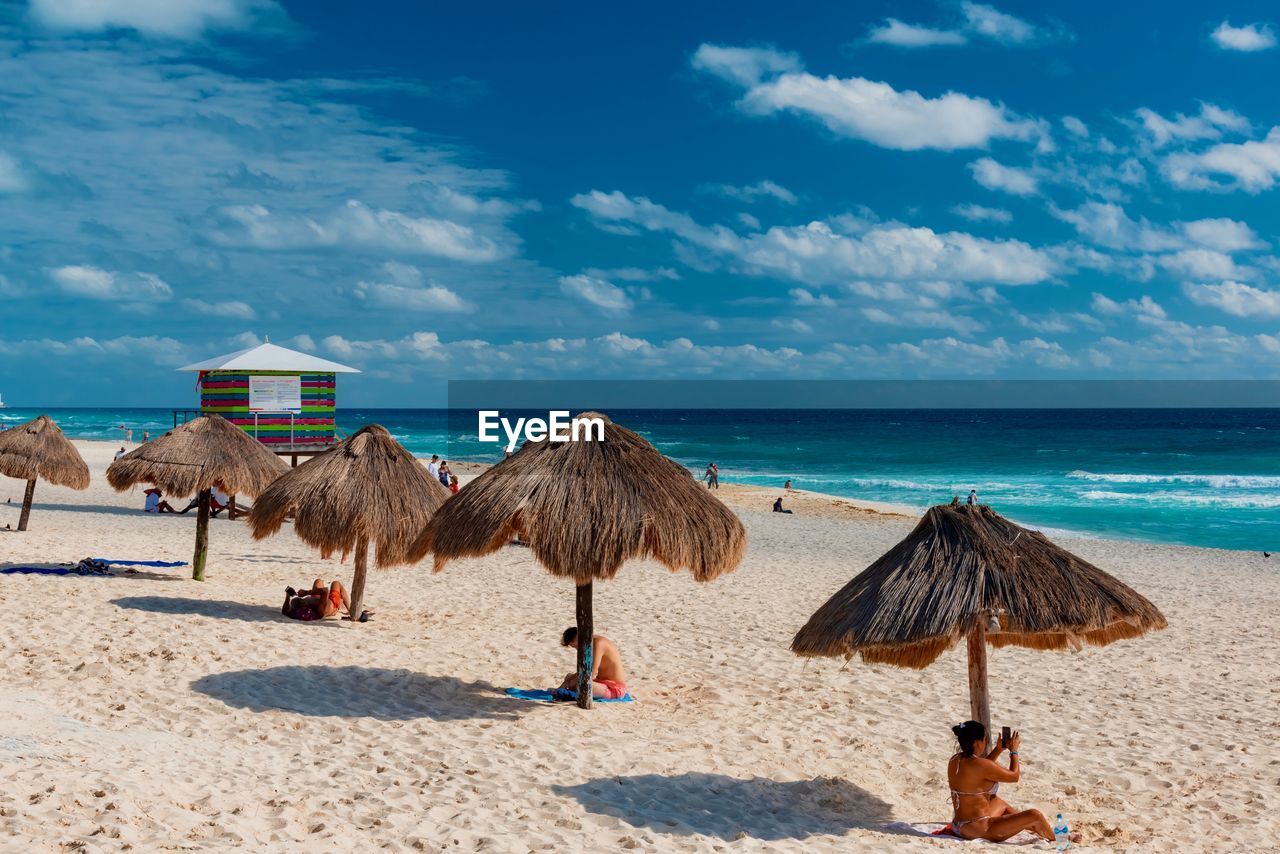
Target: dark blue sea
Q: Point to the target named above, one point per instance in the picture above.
(1204, 477)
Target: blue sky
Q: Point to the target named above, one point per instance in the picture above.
(728, 190)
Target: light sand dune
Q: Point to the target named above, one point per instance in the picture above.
(153, 711)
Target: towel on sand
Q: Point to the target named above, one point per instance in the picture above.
(938, 830)
(140, 562)
(559, 695)
(36, 570)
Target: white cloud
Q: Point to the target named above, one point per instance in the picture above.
(979, 20)
(807, 298)
(1249, 38)
(180, 19)
(900, 34)
(604, 295)
(996, 25)
(873, 111)
(11, 177)
(1108, 225)
(231, 308)
(981, 213)
(355, 223)
(404, 287)
(1211, 122)
(1235, 298)
(793, 324)
(1075, 127)
(1145, 307)
(760, 189)
(634, 274)
(1201, 264)
(96, 283)
(1008, 179)
(151, 349)
(1250, 166)
(1225, 235)
(820, 252)
(745, 66)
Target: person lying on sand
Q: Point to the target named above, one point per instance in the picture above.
(608, 679)
(975, 777)
(316, 603)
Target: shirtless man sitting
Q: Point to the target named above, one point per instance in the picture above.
(608, 679)
(316, 603)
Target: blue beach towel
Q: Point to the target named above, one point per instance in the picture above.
(559, 695)
(35, 570)
(141, 562)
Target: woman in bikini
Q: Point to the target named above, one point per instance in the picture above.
(317, 603)
(975, 777)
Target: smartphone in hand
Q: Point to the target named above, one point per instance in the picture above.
(1005, 735)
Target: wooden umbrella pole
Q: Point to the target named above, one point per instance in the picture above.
(357, 582)
(586, 636)
(202, 535)
(26, 504)
(979, 700)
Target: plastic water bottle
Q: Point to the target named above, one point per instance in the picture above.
(1061, 832)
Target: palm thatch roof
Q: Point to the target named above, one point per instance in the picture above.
(205, 452)
(38, 449)
(586, 507)
(964, 564)
(367, 487)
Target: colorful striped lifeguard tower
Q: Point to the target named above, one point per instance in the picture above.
(283, 398)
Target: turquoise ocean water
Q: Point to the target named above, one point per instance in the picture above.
(1205, 477)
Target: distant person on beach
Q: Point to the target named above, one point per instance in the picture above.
(434, 466)
(318, 602)
(453, 484)
(777, 506)
(120, 453)
(155, 502)
(712, 476)
(787, 485)
(974, 778)
(128, 436)
(444, 473)
(608, 679)
(973, 497)
(146, 436)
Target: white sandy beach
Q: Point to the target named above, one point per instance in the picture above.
(153, 712)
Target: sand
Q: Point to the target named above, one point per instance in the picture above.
(150, 712)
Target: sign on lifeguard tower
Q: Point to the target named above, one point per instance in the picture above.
(275, 394)
(283, 398)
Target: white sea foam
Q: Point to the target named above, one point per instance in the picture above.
(1184, 499)
(1217, 481)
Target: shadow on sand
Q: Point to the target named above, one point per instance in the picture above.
(357, 692)
(116, 572)
(729, 808)
(220, 608)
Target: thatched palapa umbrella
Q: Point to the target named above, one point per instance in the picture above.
(38, 449)
(585, 507)
(968, 573)
(195, 457)
(366, 490)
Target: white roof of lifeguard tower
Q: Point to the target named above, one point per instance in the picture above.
(269, 357)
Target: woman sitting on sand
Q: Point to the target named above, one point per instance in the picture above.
(316, 603)
(975, 778)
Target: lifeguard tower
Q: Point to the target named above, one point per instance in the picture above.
(282, 398)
